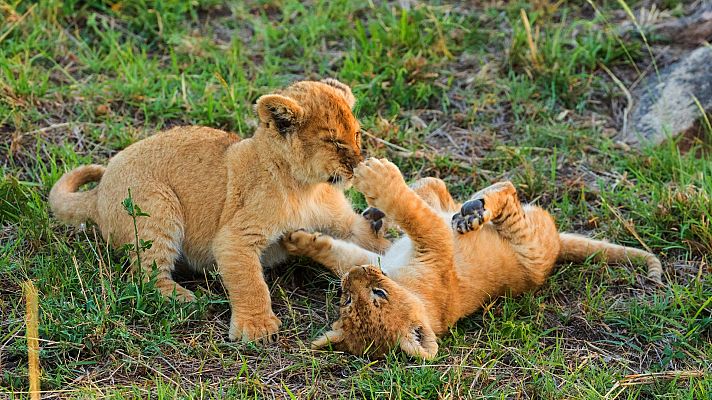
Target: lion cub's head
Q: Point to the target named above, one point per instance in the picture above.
(378, 314)
(312, 125)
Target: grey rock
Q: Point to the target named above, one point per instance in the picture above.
(665, 105)
(693, 29)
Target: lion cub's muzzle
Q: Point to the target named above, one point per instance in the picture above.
(352, 161)
(346, 172)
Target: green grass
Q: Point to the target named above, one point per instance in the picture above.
(457, 86)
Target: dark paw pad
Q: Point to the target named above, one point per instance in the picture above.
(473, 207)
(463, 223)
(375, 216)
(470, 216)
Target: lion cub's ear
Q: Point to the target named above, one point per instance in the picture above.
(280, 111)
(329, 338)
(420, 341)
(344, 89)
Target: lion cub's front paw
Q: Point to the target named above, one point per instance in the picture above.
(260, 328)
(303, 243)
(471, 217)
(375, 217)
(377, 179)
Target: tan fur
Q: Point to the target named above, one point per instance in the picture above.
(439, 273)
(213, 198)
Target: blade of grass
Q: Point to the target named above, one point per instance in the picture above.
(532, 46)
(640, 31)
(33, 351)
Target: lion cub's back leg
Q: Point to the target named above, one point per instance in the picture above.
(530, 230)
(435, 193)
(163, 227)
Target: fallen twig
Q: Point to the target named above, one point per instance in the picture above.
(47, 129)
(394, 146)
(405, 153)
(648, 378)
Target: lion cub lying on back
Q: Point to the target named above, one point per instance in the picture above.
(438, 274)
(215, 199)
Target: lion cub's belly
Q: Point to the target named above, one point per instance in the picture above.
(202, 260)
(398, 255)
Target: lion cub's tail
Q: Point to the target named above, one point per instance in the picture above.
(74, 207)
(579, 248)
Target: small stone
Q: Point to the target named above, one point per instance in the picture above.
(417, 122)
(102, 109)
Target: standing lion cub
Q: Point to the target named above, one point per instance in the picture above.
(213, 198)
(440, 273)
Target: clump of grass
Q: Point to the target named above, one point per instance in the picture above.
(562, 58)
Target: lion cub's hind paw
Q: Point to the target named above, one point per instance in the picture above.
(471, 217)
(169, 288)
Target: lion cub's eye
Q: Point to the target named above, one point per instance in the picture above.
(337, 143)
(347, 301)
(380, 293)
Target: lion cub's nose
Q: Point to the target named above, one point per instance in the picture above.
(354, 161)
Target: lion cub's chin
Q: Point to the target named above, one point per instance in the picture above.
(377, 315)
(340, 182)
